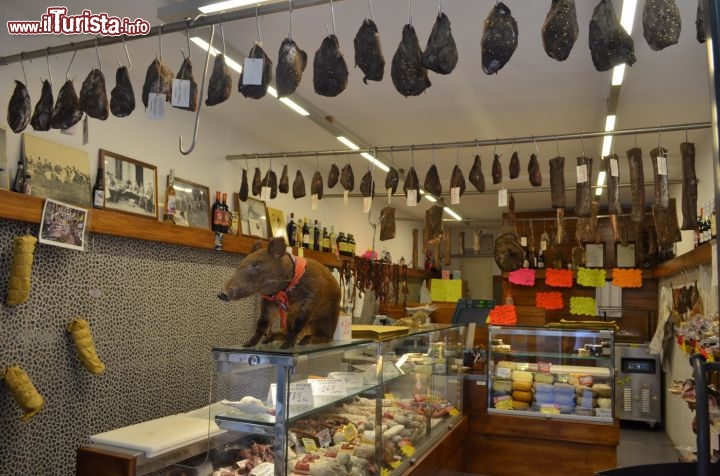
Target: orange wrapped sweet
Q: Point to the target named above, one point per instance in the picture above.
(503, 315)
(627, 278)
(559, 278)
(552, 300)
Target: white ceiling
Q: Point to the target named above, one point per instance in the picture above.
(532, 95)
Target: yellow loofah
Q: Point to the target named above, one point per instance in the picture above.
(80, 331)
(23, 391)
(21, 269)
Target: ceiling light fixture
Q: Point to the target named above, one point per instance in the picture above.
(376, 162)
(452, 214)
(618, 75)
(350, 144)
(601, 178)
(607, 145)
(627, 16)
(227, 5)
(610, 123)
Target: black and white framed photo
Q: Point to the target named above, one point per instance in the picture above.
(625, 255)
(253, 218)
(192, 204)
(63, 225)
(130, 185)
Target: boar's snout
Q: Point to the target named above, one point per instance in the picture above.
(223, 296)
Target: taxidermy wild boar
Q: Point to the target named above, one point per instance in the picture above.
(301, 292)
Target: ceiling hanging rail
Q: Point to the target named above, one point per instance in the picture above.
(178, 26)
(478, 143)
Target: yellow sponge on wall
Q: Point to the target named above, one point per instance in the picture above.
(80, 331)
(23, 391)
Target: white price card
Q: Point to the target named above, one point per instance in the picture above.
(324, 438)
(314, 201)
(582, 175)
(352, 380)
(614, 170)
(328, 387)
(156, 106)
(502, 197)
(346, 194)
(454, 195)
(502, 372)
(412, 197)
(301, 394)
(367, 204)
(662, 165)
(180, 93)
(391, 371)
(543, 245)
(263, 469)
(265, 193)
(523, 241)
(252, 71)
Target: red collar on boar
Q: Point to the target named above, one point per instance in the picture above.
(281, 296)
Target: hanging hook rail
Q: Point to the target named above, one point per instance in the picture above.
(488, 142)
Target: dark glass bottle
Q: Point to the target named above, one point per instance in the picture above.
(341, 244)
(19, 184)
(99, 187)
(217, 214)
(306, 234)
(292, 230)
(325, 242)
(350, 245)
(316, 236)
(225, 214)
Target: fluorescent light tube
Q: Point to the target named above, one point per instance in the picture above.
(618, 75)
(350, 144)
(232, 64)
(598, 191)
(452, 213)
(627, 17)
(375, 161)
(429, 197)
(607, 145)
(610, 123)
(227, 5)
(294, 106)
(601, 178)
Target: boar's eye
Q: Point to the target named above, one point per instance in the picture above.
(255, 265)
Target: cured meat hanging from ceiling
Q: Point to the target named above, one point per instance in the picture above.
(292, 62)
(476, 177)
(256, 182)
(122, 96)
(66, 112)
(557, 193)
(514, 165)
(347, 178)
(637, 185)
(612, 173)
(700, 23)
(367, 185)
(409, 76)
(412, 182)
(316, 185)
(330, 72)
(368, 51)
(508, 253)
(432, 184)
(19, 108)
(583, 190)
(93, 98)
(40, 120)
(185, 73)
(220, 83)
(284, 184)
(689, 186)
(560, 29)
(496, 170)
(499, 38)
(158, 80)
(298, 185)
(333, 176)
(250, 88)
(658, 158)
(457, 180)
(534, 173)
(270, 181)
(243, 194)
(661, 23)
(392, 179)
(610, 44)
(441, 54)
(433, 223)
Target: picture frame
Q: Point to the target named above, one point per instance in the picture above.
(625, 255)
(57, 171)
(192, 204)
(595, 255)
(276, 222)
(63, 225)
(253, 218)
(130, 185)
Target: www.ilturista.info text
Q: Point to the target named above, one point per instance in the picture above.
(57, 22)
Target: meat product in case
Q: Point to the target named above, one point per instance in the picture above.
(368, 52)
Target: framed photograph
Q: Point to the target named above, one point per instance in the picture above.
(192, 203)
(595, 255)
(625, 255)
(63, 225)
(57, 171)
(276, 220)
(253, 218)
(130, 185)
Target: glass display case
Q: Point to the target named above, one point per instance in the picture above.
(551, 372)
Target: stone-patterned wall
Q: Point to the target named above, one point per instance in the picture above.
(155, 317)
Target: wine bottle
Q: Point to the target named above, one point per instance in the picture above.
(316, 236)
(19, 184)
(170, 199)
(291, 230)
(217, 214)
(351, 244)
(225, 214)
(341, 244)
(306, 234)
(99, 187)
(325, 242)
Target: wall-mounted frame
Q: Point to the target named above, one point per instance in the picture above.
(192, 204)
(130, 185)
(276, 221)
(63, 225)
(253, 217)
(625, 255)
(594, 255)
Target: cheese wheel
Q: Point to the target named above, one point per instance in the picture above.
(521, 396)
(604, 402)
(522, 376)
(505, 364)
(587, 402)
(544, 378)
(502, 386)
(602, 390)
(522, 386)
(518, 405)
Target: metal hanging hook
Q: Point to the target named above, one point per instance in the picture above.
(686, 133)
(332, 14)
(47, 58)
(67, 73)
(257, 22)
(440, 6)
(457, 156)
(160, 40)
(537, 151)
(22, 65)
(222, 35)
(127, 53)
(582, 142)
(412, 156)
(372, 14)
(659, 132)
(97, 52)
(290, 14)
(187, 35)
(200, 99)
(410, 12)
(298, 161)
(557, 146)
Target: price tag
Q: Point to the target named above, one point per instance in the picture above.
(86, 131)
(367, 204)
(502, 197)
(585, 380)
(264, 469)
(503, 373)
(614, 170)
(324, 438)
(180, 93)
(454, 195)
(309, 445)
(390, 371)
(523, 241)
(346, 194)
(544, 367)
(252, 71)
(581, 172)
(156, 106)
(543, 245)
(301, 394)
(265, 193)
(328, 387)
(412, 198)
(314, 201)
(406, 448)
(352, 380)
(350, 432)
(662, 165)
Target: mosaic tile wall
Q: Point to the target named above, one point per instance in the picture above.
(154, 315)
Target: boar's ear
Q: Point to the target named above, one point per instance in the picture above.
(257, 246)
(276, 247)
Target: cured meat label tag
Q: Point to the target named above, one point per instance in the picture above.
(582, 175)
(614, 171)
(156, 106)
(543, 245)
(314, 201)
(502, 197)
(265, 193)
(662, 165)
(252, 71)
(523, 241)
(411, 198)
(367, 204)
(454, 195)
(180, 93)
(346, 193)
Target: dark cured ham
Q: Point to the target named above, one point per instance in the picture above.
(122, 96)
(330, 72)
(661, 23)
(412, 182)
(316, 185)
(408, 74)
(243, 194)
(392, 179)
(368, 52)
(19, 108)
(298, 187)
(220, 83)
(347, 178)
(509, 255)
(432, 183)
(441, 54)
(256, 183)
(158, 79)
(457, 180)
(40, 120)
(610, 44)
(499, 38)
(496, 170)
(637, 185)
(689, 186)
(93, 98)
(66, 112)
(560, 30)
(367, 185)
(476, 177)
(613, 188)
(185, 73)
(583, 196)
(257, 91)
(514, 166)
(284, 185)
(333, 176)
(292, 61)
(534, 171)
(557, 182)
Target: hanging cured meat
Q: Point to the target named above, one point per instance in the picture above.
(560, 30)
(158, 80)
(637, 185)
(499, 38)
(557, 193)
(496, 170)
(122, 96)
(243, 194)
(387, 223)
(586, 228)
(66, 112)
(432, 183)
(457, 180)
(257, 91)
(700, 23)
(508, 253)
(534, 171)
(408, 74)
(658, 155)
(433, 223)
(270, 180)
(412, 182)
(292, 61)
(330, 72)
(299, 185)
(391, 180)
(610, 44)
(367, 185)
(441, 55)
(220, 83)
(19, 108)
(185, 73)
(368, 52)
(689, 186)
(347, 178)
(316, 185)
(661, 23)
(256, 183)
(93, 98)
(583, 197)
(613, 189)
(284, 185)
(514, 166)
(333, 176)
(40, 120)
(666, 225)
(476, 177)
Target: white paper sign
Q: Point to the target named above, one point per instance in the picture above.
(614, 171)
(454, 195)
(502, 372)
(367, 204)
(582, 175)
(263, 469)
(502, 197)
(265, 193)
(391, 371)
(301, 394)
(314, 201)
(412, 197)
(156, 106)
(328, 387)
(352, 380)
(346, 194)
(523, 241)
(252, 71)
(543, 245)
(180, 93)
(662, 165)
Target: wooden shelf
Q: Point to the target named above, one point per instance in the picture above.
(700, 255)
